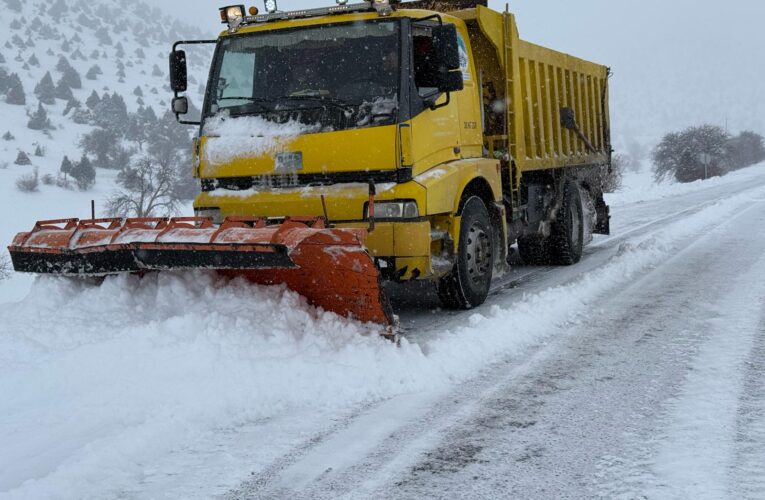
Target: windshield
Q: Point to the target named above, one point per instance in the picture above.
(337, 76)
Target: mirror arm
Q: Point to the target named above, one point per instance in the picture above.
(435, 106)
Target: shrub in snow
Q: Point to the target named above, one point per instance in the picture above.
(48, 180)
(93, 100)
(82, 116)
(66, 46)
(39, 119)
(746, 149)
(15, 94)
(28, 183)
(22, 159)
(139, 53)
(70, 105)
(79, 55)
(84, 173)
(693, 154)
(156, 71)
(120, 50)
(94, 54)
(5, 267)
(15, 25)
(8, 136)
(93, 72)
(39, 151)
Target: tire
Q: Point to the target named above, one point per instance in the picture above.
(468, 283)
(534, 250)
(567, 233)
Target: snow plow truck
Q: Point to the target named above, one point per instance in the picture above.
(342, 146)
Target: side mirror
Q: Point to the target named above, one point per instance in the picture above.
(445, 47)
(450, 81)
(178, 71)
(180, 105)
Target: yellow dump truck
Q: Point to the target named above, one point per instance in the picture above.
(427, 132)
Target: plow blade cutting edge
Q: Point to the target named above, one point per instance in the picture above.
(328, 266)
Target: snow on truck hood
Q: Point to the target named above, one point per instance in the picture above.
(230, 138)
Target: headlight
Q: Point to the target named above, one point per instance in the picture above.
(228, 15)
(213, 213)
(394, 210)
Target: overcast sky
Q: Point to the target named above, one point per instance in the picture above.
(676, 62)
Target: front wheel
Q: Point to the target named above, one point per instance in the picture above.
(467, 285)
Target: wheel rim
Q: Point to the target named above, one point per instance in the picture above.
(479, 254)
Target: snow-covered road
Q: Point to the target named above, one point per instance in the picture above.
(638, 372)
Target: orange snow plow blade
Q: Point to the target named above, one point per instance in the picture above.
(328, 266)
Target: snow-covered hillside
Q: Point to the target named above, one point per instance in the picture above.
(114, 48)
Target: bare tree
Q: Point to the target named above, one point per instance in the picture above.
(148, 188)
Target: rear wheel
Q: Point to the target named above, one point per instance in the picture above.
(567, 239)
(467, 285)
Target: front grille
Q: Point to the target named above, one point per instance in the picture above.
(278, 181)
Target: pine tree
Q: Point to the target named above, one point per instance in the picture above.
(39, 119)
(39, 151)
(5, 81)
(95, 54)
(84, 173)
(156, 71)
(23, 159)
(66, 166)
(93, 100)
(63, 64)
(71, 104)
(33, 61)
(93, 72)
(138, 92)
(66, 46)
(46, 90)
(2, 58)
(63, 91)
(72, 78)
(120, 50)
(139, 53)
(13, 5)
(8, 136)
(15, 25)
(58, 9)
(15, 93)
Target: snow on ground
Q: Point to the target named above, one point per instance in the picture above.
(100, 385)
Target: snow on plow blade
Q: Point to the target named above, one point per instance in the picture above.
(328, 266)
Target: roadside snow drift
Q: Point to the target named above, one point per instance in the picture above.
(121, 389)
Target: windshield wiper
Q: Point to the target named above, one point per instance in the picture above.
(332, 101)
(250, 100)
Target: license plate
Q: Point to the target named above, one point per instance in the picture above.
(289, 162)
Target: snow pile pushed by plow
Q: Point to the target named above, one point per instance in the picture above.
(181, 385)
